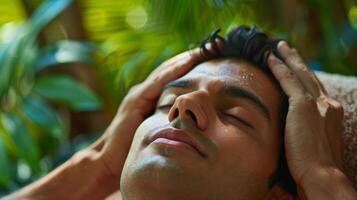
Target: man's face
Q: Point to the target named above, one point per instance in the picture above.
(214, 135)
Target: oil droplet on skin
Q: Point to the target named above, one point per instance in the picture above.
(245, 77)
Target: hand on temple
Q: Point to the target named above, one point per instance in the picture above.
(313, 141)
(94, 172)
(137, 105)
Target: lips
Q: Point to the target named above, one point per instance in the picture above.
(172, 134)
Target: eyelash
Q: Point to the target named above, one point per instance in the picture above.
(165, 106)
(238, 119)
(168, 106)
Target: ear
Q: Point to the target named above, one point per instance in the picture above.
(277, 193)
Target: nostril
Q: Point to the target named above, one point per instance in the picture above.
(192, 115)
(175, 114)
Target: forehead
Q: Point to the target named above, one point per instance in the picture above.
(225, 67)
(233, 71)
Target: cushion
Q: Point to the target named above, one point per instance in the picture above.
(344, 90)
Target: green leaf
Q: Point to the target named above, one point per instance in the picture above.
(18, 56)
(63, 52)
(5, 178)
(9, 55)
(46, 13)
(66, 90)
(42, 115)
(14, 54)
(20, 134)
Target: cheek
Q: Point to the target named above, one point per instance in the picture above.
(151, 123)
(155, 121)
(243, 153)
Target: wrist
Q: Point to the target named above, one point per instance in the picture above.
(97, 180)
(327, 183)
(83, 176)
(319, 175)
(119, 137)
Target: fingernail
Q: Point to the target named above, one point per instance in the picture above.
(286, 44)
(283, 45)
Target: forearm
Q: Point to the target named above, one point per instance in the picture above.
(81, 177)
(328, 184)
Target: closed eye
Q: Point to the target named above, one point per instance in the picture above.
(238, 119)
(164, 107)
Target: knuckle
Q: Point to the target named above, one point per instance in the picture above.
(303, 67)
(309, 98)
(153, 73)
(84, 156)
(337, 107)
(157, 70)
(293, 52)
(288, 74)
(340, 110)
(336, 103)
(173, 70)
(133, 89)
(156, 78)
(295, 101)
(132, 93)
(309, 101)
(291, 55)
(128, 98)
(290, 78)
(294, 57)
(304, 101)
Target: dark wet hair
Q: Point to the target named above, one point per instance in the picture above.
(253, 45)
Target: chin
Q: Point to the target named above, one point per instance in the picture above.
(156, 169)
(157, 177)
(165, 161)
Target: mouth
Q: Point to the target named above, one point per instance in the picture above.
(178, 138)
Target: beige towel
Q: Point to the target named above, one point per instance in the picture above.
(344, 90)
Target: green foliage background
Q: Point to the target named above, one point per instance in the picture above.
(31, 130)
(125, 41)
(328, 41)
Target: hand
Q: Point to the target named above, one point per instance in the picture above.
(135, 107)
(94, 172)
(314, 121)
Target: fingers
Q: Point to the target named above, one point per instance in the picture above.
(190, 56)
(334, 129)
(287, 79)
(297, 81)
(168, 71)
(98, 145)
(297, 65)
(143, 97)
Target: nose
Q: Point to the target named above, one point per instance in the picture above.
(190, 107)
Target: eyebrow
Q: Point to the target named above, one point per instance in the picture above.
(228, 90)
(186, 83)
(240, 92)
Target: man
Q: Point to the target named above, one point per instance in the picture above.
(216, 131)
